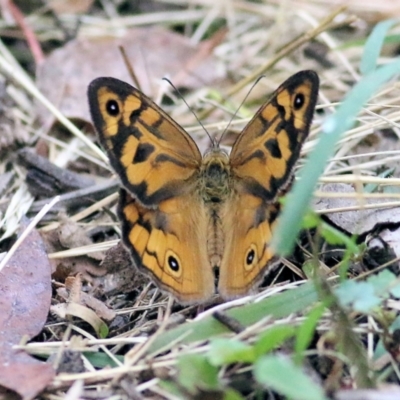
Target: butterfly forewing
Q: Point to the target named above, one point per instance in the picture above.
(263, 156)
(151, 153)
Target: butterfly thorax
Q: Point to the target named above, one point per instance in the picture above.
(215, 182)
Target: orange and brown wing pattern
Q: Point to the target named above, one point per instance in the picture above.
(262, 160)
(264, 155)
(169, 244)
(150, 152)
(248, 231)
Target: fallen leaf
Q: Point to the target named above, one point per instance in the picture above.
(154, 52)
(69, 6)
(72, 235)
(25, 287)
(122, 276)
(69, 235)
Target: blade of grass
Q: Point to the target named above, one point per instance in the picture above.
(373, 46)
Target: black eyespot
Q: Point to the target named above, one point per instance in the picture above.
(298, 101)
(250, 257)
(173, 263)
(112, 108)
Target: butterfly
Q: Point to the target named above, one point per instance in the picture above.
(197, 224)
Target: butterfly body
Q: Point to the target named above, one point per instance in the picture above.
(185, 216)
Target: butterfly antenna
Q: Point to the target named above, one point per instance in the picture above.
(240, 106)
(191, 110)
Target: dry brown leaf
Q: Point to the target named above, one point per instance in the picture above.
(154, 52)
(122, 276)
(25, 287)
(90, 301)
(69, 6)
(72, 235)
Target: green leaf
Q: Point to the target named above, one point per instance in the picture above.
(373, 46)
(228, 351)
(305, 332)
(335, 237)
(360, 295)
(195, 372)
(385, 282)
(311, 220)
(280, 374)
(372, 187)
(102, 360)
(298, 200)
(381, 282)
(272, 338)
(395, 291)
(309, 268)
(172, 388)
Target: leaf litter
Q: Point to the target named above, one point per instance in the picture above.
(102, 310)
(25, 287)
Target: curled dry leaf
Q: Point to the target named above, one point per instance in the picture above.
(25, 287)
(76, 310)
(121, 276)
(90, 301)
(72, 235)
(82, 305)
(154, 52)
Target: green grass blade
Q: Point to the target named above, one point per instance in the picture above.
(373, 46)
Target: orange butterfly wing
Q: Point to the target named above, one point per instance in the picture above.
(163, 218)
(263, 157)
(262, 161)
(150, 152)
(168, 244)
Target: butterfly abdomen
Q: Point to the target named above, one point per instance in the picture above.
(215, 236)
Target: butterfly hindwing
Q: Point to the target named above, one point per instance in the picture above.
(168, 244)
